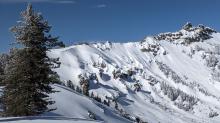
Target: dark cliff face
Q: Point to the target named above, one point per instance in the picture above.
(188, 33)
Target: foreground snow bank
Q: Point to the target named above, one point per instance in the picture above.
(71, 107)
(45, 120)
(74, 105)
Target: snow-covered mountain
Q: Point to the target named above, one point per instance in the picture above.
(168, 78)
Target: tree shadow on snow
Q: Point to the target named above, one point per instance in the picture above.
(11, 119)
(99, 85)
(105, 77)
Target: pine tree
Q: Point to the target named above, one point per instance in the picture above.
(116, 105)
(84, 82)
(29, 74)
(3, 62)
(1, 75)
(70, 84)
(106, 103)
(85, 88)
(78, 89)
(18, 86)
(92, 95)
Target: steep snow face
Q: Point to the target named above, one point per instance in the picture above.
(157, 80)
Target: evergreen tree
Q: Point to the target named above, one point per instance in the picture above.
(92, 95)
(1, 75)
(78, 89)
(3, 62)
(85, 88)
(84, 82)
(18, 86)
(70, 84)
(106, 103)
(116, 105)
(29, 74)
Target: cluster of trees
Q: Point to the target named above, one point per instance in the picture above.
(153, 48)
(152, 80)
(85, 80)
(213, 114)
(73, 87)
(118, 73)
(26, 72)
(137, 86)
(85, 91)
(108, 101)
(211, 61)
(182, 100)
(169, 73)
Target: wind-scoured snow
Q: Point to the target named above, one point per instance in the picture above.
(178, 79)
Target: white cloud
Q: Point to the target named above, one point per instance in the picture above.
(101, 6)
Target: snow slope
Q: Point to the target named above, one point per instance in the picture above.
(176, 75)
(71, 107)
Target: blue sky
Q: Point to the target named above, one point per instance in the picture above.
(113, 20)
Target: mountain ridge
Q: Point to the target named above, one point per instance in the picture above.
(157, 79)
